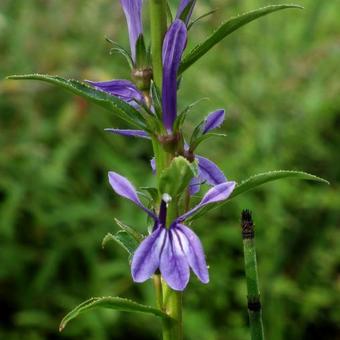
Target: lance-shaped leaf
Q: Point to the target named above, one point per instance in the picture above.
(224, 30)
(177, 176)
(114, 104)
(259, 179)
(123, 239)
(131, 231)
(110, 302)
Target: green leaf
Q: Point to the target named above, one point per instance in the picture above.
(270, 176)
(177, 176)
(259, 179)
(114, 104)
(134, 233)
(225, 29)
(124, 239)
(110, 302)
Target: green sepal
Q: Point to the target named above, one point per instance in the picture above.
(121, 50)
(194, 144)
(156, 99)
(259, 179)
(137, 236)
(226, 29)
(141, 53)
(176, 178)
(179, 121)
(153, 192)
(110, 302)
(169, 13)
(114, 104)
(201, 17)
(122, 238)
(186, 12)
(197, 133)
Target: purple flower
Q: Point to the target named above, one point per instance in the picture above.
(129, 133)
(208, 171)
(173, 46)
(172, 249)
(213, 121)
(133, 13)
(185, 8)
(125, 89)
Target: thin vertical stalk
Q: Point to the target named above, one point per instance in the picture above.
(172, 305)
(254, 303)
(157, 282)
(171, 300)
(158, 25)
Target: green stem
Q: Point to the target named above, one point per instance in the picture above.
(158, 26)
(157, 282)
(172, 305)
(254, 303)
(161, 157)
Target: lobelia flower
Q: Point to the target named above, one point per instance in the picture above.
(208, 171)
(173, 47)
(125, 89)
(173, 249)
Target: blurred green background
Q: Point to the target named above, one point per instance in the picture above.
(278, 78)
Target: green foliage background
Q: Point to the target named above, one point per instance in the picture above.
(279, 80)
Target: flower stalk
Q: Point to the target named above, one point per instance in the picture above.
(158, 26)
(254, 303)
(172, 329)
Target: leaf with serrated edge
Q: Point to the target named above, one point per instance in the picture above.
(134, 233)
(110, 302)
(112, 103)
(108, 237)
(259, 179)
(225, 29)
(123, 239)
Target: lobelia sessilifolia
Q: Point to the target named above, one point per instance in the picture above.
(148, 103)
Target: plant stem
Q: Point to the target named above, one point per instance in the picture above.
(172, 305)
(161, 157)
(254, 303)
(157, 282)
(158, 27)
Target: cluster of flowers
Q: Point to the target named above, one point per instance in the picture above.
(174, 248)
